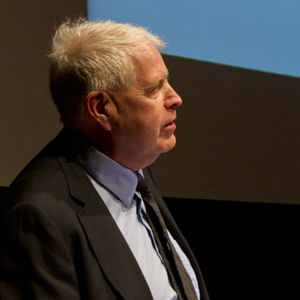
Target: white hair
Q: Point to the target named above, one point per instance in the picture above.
(88, 56)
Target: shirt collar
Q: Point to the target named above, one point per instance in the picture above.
(118, 179)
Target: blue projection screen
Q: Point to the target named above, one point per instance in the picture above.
(254, 34)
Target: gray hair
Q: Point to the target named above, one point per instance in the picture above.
(89, 56)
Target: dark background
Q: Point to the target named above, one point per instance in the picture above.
(245, 250)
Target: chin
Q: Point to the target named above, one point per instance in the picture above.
(169, 146)
(164, 145)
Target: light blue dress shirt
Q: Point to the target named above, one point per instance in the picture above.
(116, 185)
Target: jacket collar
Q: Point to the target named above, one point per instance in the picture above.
(111, 250)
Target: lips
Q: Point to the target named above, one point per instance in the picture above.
(171, 123)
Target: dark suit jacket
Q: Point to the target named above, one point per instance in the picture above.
(59, 241)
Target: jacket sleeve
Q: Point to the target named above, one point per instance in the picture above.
(35, 259)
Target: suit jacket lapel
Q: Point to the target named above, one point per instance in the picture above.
(111, 250)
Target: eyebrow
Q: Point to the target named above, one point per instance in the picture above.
(153, 84)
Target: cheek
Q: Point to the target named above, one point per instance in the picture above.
(154, 125)
(150, 117)
(146, 120)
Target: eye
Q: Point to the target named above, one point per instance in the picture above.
(153, 89)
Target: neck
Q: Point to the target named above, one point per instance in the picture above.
(132, 161)
(125, 156)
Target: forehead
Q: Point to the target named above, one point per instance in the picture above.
(148, 63)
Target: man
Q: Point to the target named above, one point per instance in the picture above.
(74, 226)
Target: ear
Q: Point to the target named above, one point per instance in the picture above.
(97, 103)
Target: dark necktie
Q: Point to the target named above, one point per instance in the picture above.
(185, 280)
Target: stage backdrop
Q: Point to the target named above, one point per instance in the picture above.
(28, 118)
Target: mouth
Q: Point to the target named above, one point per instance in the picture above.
(170, 124)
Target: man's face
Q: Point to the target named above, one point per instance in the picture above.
(143, 126)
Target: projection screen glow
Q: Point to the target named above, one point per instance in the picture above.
(254, 34)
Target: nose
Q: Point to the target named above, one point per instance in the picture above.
(172, 99)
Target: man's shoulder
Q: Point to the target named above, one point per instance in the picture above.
(38, 182)
(43, 178)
